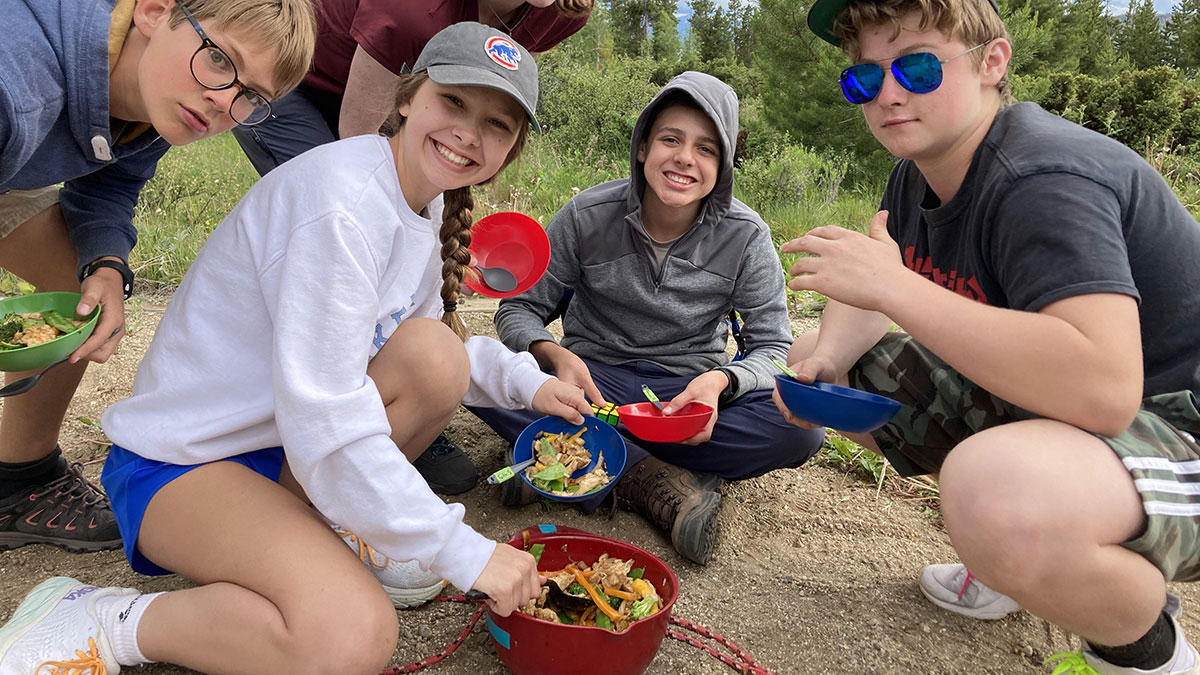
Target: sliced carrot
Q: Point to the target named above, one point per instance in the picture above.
(604, 606)
(618, 593)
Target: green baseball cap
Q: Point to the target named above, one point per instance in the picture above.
(824, 12)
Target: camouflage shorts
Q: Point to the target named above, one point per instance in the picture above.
(941, 408)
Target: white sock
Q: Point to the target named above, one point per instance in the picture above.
(119, 616)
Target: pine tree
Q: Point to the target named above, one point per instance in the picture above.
(1140, 36)
(1091, 29)
(712, 31)
(1183, 36)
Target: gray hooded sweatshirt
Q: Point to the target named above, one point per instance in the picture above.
(625, 308)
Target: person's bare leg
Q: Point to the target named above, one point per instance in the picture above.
(278, 590)
(422, 374)
(1038, 510)
(39, 252)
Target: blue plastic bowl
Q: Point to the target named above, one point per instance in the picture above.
(835, 406)
(599, 436)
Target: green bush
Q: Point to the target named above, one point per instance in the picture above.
(790, 174)
(591, 112)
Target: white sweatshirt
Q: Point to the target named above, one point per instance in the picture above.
(267, 340)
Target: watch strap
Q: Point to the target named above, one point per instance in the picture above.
(126, 273)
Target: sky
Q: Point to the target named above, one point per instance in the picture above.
(1118, 7)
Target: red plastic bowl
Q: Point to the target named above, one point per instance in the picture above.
(512, 241)
(530, 646)
(648, 423)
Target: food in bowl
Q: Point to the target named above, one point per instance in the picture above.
(618, 593)
(29, 329)
(558, 457)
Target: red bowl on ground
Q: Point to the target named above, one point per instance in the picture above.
(530, 646)
(512, 241)
(647, 422)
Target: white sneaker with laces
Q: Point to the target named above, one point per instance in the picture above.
(952, 587)
(405, 582)
(1184, 661)
(56, 627)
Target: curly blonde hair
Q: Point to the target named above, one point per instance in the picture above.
(971, 21)
(455, 233)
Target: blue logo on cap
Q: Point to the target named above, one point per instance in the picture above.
(503, 51)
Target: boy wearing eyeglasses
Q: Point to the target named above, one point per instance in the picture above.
(92, 94)
(1043, 276)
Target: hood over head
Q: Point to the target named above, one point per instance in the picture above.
(720, 103)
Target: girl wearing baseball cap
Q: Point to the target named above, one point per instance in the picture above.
(310, 353)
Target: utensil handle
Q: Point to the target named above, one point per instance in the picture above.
(652, 397)
(509, 471)
(476, 596)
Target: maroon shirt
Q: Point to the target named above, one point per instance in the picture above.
(394, 33)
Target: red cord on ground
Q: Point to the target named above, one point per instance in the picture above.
(741, 661)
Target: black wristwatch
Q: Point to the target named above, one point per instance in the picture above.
(727, 396)
(126, 273)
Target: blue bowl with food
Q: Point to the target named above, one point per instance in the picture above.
(573, 462)
(835, 406)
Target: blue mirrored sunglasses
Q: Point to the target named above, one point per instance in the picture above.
(919, 73)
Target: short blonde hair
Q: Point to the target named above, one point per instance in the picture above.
(574, 9)
(972, 22)
(290, 25)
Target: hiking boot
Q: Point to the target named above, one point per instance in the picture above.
(514, 491)
(405, 582)
(681, 502)
(68, 511)
(1183, 661)
(952, 587)
(56, 626)
(446, 468)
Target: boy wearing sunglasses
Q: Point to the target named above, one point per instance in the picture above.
(92, 94)
(1043, 276)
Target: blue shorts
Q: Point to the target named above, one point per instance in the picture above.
(131, 481)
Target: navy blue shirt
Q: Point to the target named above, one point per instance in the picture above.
(55, 125)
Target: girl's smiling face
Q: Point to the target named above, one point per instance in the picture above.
(453, 137)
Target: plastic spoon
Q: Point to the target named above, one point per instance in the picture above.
(562, 598)
(510, 471)
(497, 278)
(786, 371)
(26, 383)
(653, 398)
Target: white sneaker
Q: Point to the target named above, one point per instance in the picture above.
(952, 587)
(1184, 661)
(56, 627)
(405, 582)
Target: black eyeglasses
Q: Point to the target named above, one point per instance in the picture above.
(214, 70)
(919, 73)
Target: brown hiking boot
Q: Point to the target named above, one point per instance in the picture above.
(68, 511)
(681, 502)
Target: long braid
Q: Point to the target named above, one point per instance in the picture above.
(456, 259)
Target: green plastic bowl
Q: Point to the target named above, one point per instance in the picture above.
(40, 356)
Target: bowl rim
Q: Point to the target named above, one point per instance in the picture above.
(855, 395)
(667, 607)
(632, 410)
(613, 476)
(91, 317)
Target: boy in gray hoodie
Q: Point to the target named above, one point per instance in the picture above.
(652, 265)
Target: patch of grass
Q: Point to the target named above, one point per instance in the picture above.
(194, 188)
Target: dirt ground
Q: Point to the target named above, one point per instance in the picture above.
(815, 569)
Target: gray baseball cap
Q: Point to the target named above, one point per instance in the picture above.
(474, 55)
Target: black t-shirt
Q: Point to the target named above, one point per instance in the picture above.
(1050, 210)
